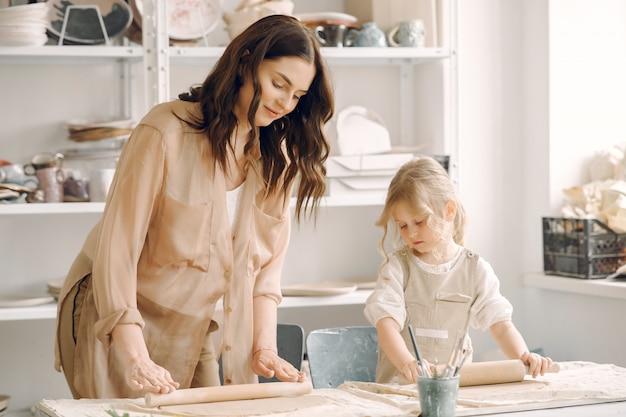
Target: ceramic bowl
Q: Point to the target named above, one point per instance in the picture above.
(248, 15)
(239, 20)
(4, 404)
(279, 6)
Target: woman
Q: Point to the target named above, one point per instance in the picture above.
(199, 210)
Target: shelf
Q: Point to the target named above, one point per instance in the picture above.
(91, 208)
(354, 298)
(46, 311)
(49, 311)
(337, 56)
(65, 54)
(51, 208)
(613, 288)
(200, 54)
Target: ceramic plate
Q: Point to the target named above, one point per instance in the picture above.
(366, 285)
(187, 19)
(319, 289)
(94, 122)
(17, 300)
(326, 16)
(54, 287)
(24, 11)
(361, 131)
(83, 25)
(23, 39)
(4, 404)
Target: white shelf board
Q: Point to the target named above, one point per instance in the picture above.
(68, 53)
(350, 201)
(410, 54)
(87, 208)
(49, 311)
(357, 297)
(50, 208)
(75, 53)
(46, 311)
(614, 288)
(336, 56)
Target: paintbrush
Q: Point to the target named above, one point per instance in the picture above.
(418, 356)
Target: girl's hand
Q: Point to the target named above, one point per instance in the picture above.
(144, 374)
(537, 364)
(267, 363)
(410, 370)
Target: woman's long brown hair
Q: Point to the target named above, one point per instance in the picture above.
(300, 134)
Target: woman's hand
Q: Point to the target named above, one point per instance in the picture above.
(141, 373)
(267, 363)
(537, 364)
(144, 374)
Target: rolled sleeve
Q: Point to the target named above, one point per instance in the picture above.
(387, 299)
(104, 327)
(490, 306)
(135, 187)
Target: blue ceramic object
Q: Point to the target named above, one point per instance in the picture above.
(369, 35)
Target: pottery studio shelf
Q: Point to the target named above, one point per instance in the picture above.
(91, 208)
(49, 311)
(607, 288)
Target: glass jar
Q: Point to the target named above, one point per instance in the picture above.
(82, 165)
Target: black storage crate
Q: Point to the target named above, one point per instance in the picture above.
(581, 248)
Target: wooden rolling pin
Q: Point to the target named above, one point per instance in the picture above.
(496, 372)
(229, 393)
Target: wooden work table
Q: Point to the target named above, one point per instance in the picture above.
(579, 389)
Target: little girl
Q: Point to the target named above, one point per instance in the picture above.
(433, 282)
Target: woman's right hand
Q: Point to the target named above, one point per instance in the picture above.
(141, 373)
(144, 374)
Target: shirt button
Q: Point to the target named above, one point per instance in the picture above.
(227, 348)
(229, 309)
(228, 381)
(227, 274)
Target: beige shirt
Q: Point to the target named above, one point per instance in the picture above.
(439, 302)
(164, 253)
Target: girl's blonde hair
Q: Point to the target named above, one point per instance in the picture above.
(426, 186)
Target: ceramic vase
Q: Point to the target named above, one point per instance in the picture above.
(369, 35)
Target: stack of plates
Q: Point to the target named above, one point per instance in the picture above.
(4, 404)
(24, 25)
(54, 287)
(83, 130)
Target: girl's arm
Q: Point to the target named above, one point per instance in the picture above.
(513, 346)
(392, 343)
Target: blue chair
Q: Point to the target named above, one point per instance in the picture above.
(341, 354)
(290, 343)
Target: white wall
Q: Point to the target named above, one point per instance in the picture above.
(586, 98)
(490, 139)
(541, 88)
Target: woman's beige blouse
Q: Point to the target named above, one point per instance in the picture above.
(163, 254)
